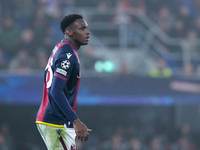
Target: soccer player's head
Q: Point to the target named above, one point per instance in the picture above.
(75, 28)
(68, 20)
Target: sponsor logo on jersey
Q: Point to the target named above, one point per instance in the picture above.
(68, 55)
(65, 64)
(61, 71)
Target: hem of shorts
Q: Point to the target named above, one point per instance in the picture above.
(49, 124)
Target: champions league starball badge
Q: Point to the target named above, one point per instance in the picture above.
(65, 64)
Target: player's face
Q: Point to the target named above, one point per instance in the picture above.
(81, 33)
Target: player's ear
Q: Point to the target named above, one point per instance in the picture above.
(68, 32)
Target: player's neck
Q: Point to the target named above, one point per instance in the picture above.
(73, 41)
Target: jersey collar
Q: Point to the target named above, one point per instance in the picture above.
(68, 41)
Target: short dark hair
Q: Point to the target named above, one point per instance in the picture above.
(67, 20)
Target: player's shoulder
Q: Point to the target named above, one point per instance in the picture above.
(64, 47)
(65, 52)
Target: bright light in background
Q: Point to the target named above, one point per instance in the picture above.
(104, 66)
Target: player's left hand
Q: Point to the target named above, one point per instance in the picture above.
(82, 132)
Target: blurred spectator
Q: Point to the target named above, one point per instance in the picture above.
(21, 64)
(41, 59)
(191, 38)
(186, 12)
(27, 41)
(190, 47)
(6, 139)
(161, 70)
(124, 68)
(183, 144)
(190, 5)
(188, 70)
(9, 34)
(155, 144)
(116, 143)
(3, 145)
(185, 131)
(135, 144)
(178, 29)
(164, 18)
(122, 15)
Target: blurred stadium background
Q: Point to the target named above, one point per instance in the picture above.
(140, 87)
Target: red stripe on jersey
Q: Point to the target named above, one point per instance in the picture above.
(59, 76)
(45, 102)
(54, 52)
(57, 47)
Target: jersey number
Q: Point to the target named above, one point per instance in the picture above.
(49, 75)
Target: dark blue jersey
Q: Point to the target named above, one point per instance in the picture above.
(61, 83)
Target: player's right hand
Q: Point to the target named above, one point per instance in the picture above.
(82, 132)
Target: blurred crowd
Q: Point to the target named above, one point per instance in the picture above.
(119, 138)
(30, 28)
(131, 138)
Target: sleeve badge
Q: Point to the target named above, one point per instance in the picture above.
(65, 64)
(61, 71)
